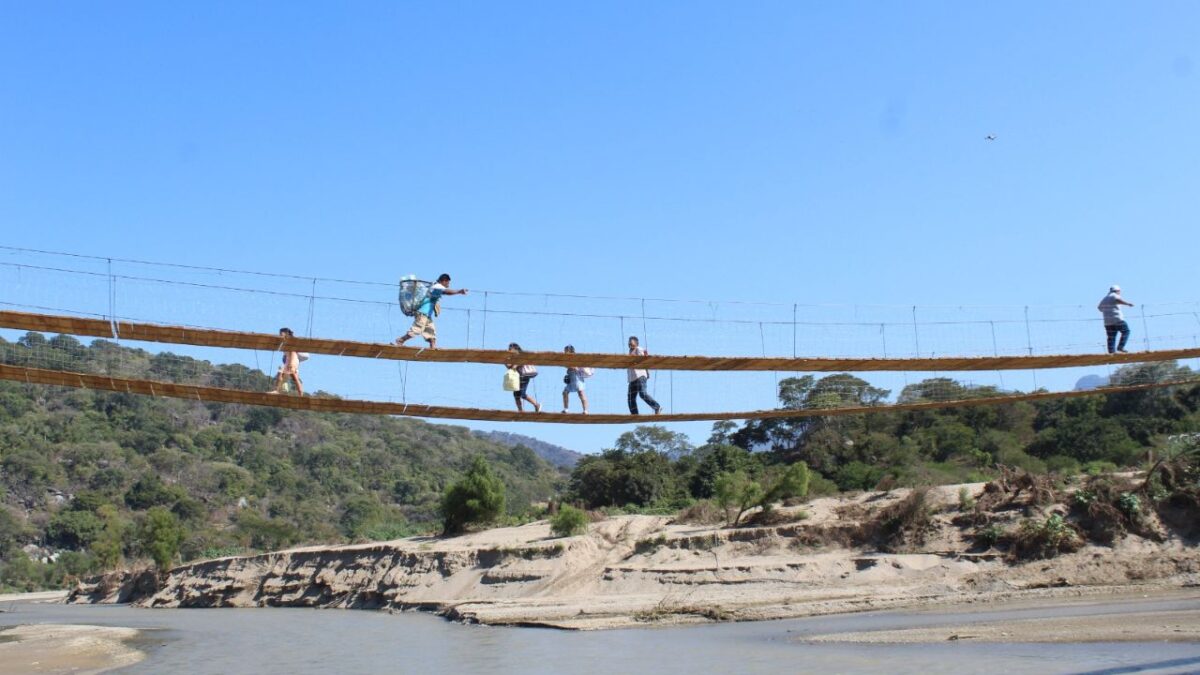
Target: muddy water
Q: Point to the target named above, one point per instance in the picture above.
(347, 641)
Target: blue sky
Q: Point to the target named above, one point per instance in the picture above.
(792, 152)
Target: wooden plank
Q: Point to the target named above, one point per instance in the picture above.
(338, 405)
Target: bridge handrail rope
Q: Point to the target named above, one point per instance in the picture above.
(206, 337)
(307, 278)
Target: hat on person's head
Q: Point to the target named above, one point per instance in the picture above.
(1114, 289)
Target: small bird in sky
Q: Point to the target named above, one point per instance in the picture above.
(990, 137)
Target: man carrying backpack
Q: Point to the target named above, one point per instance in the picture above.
(423, 317)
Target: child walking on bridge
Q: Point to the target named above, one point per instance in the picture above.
(290, 368)
(574, 381)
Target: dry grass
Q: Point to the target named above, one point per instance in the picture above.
(901, 526)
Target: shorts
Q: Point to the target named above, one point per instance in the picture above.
(574, 385)
(423, 327)
(524, 390)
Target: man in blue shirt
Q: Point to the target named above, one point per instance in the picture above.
(1114, 320)
(423, 321)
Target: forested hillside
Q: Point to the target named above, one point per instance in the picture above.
(653, 467)
(89, 478)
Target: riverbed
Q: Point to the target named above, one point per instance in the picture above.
(283, 640)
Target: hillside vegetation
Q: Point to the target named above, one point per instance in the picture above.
(652, 469)
(89, 479)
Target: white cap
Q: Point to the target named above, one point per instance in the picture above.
(1114, 289)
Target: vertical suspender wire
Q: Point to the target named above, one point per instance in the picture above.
(1145, 329)
(645, 331)
(483, 339)
(793, 330)
(916, 336)
(112, 302)
(1029, 344)
(468, 343)
(762, 339)
(646, 345)
(996, 352)
(312, 301)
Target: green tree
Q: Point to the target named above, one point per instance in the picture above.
(109, 545)
(476, 499)
(73, 529)
(159, 536)
(654, 438)
(735, 493)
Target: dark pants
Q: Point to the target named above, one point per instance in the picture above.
(1112, 330)
(524, 390)
(638, 388)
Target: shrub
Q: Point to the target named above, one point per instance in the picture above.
(74, 529)
(477, 498)
(965, 501)
(703, 512)
(989, 536)
(792, 484)
(1099, 467)
(902, 525)
(568, 522)
(1130, 505)
(1044, 539)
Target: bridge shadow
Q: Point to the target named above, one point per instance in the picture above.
(1145, 667)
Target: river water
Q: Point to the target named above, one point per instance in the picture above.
(351, 641)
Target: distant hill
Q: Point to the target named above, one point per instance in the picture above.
(1091, 382)
(555, 454)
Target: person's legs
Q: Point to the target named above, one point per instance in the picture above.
(566, 399)
(523, 393)
(583, 401)
(299, 385)
(1124, 328)
(1112, 337)
(517, 398)
(633, 392)
(417, 328)
(646, 395)
(430, 332)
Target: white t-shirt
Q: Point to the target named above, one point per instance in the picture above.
(1110, 306)
(635, 373)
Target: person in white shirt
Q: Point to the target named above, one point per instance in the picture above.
(637, 381)
(423, 321)
(1114, 320)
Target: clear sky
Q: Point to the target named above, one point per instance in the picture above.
(780, 151)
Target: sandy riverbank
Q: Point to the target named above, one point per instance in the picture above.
(41, 596)
(48, 648)
(1173, 626)
(641, 570)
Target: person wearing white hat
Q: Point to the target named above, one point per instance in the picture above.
(1114, 320)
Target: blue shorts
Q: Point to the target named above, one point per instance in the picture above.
(574, 384)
